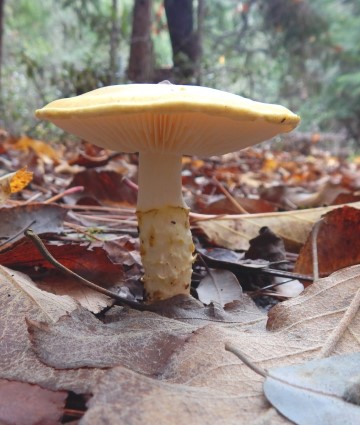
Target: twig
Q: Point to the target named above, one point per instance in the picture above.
(265, 288)
(82, 230)
(11, 238)
(106, 219)
(242, 356)
(33, 198)
(230, 197)
(131, 184)
(338, 332)
(315, 257)
(128, 210)
(66, 192)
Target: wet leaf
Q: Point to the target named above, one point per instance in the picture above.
(312, 393)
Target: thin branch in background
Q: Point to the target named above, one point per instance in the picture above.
(314, 244)
(340, 329)
(229, 196)
(200, 32)
(114, 42)
(66, 192)
(4, 244)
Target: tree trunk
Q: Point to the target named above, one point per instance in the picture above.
(184, 40)
(200, 31)
(141, 62)
(114, 43)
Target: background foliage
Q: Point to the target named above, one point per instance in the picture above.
(304, 54)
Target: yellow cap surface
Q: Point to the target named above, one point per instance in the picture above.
(168, 118)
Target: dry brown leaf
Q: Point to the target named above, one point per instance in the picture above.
(234, 232)
(136, 340)
(205, 375)
(20, 179)
(222, 205)
(25, 404)
(42, 149)
(125, 397)
(102, 187)
(52, 306)
(59, 284)
(319, 309)
(41, 217)
(338, 243)
(326, 195)
(14, 182)
(17, 359)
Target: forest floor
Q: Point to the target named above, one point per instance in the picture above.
(266, 222)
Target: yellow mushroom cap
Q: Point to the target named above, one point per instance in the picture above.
(168, 118)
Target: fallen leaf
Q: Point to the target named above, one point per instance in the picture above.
(13, 182)
(60, 284)
(26, 404)
(135, 340)
(201, 381)
(266, 246)
(225, 206)
(338, 243)
(91, 263)
(234, 232)
(102, 187)
(318, 310)
(41, 218)
(287, 288)
(220, 286)
(53, 306)
(312, 393)
(42, 149)
(18, 361)
(20, 179)
(124, 250)
(126, 397)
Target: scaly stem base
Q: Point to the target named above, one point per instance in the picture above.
(166, 250)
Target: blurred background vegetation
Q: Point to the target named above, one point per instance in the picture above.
(304, 54)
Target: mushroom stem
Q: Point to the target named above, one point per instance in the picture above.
(159, 181)
(164, 229)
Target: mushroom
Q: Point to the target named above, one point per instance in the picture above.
(162, 122)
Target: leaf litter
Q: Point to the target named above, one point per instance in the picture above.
(169, 364)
